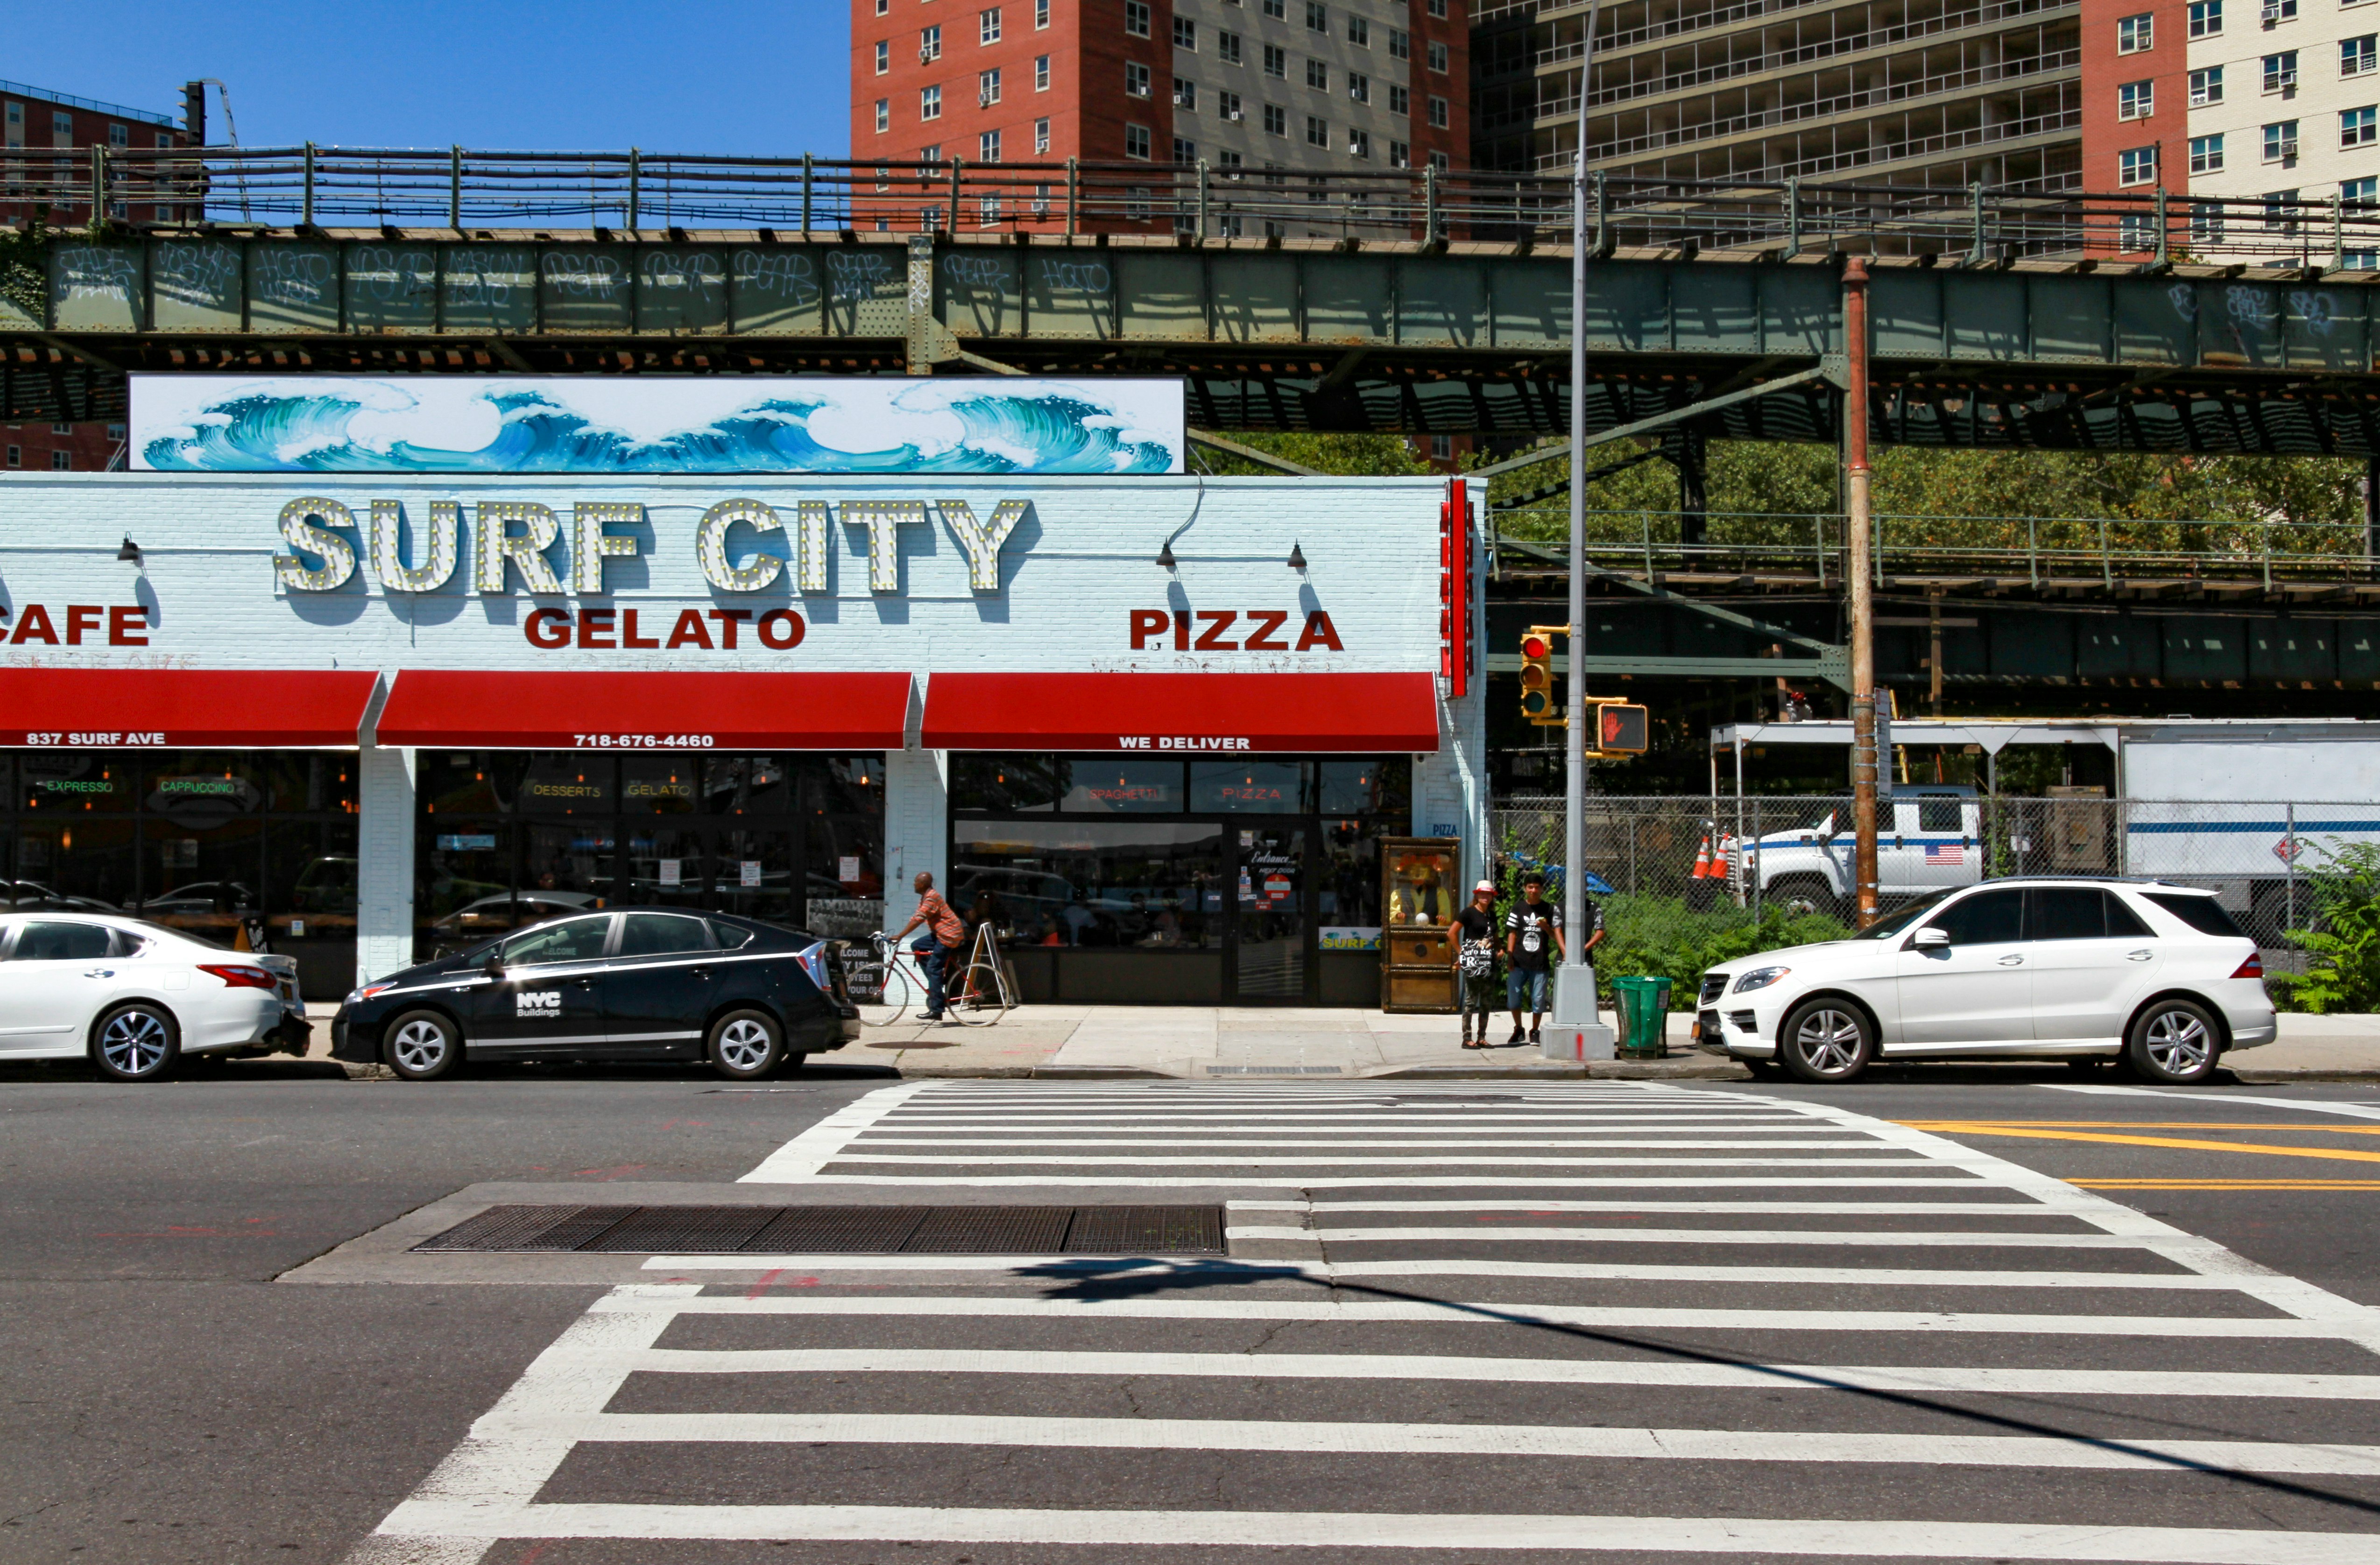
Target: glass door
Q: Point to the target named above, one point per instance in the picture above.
(1268, 943)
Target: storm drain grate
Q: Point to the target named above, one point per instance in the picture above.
(1276, 1070)
(882, 1230)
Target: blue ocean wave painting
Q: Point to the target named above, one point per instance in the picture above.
(358, 424)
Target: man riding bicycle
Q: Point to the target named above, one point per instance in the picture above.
(944, 934)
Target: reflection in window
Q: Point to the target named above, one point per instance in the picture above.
(1152, 885)
(566, 784)
(658, 785)
(1122, 787)
(1263, 787)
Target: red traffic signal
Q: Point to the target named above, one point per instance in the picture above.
(1621, 729)
(1537, 677)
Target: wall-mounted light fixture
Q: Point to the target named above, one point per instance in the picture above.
(1165, 554)
(129, 552)
(1296, 558)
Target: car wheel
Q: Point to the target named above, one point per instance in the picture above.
(421, 1046)
(746, 1045)
(1826, 1040)
(2174, 1041)
(1805, 894)
(137, 1042)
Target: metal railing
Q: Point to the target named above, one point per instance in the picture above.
(2032, 550)
(504, 193)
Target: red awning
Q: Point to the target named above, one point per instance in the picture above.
(647, 710)
(1183, 713)
(182, 708)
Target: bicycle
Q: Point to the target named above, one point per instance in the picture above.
(980, 994)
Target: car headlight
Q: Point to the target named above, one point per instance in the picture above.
(367, 992)
(1759, 978)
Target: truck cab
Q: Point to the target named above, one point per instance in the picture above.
(1928, 837)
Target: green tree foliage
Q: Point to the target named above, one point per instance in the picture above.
(1658, 938)
(2345, 937)
(1350, 456)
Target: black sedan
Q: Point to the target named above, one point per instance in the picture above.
(635, 983)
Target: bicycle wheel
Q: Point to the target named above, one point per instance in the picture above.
(982, 997)
(903, 991)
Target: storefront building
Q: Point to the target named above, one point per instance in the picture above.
(1153, 726)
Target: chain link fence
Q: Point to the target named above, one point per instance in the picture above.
(1686, 880)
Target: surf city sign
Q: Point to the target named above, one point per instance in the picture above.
(512, 541)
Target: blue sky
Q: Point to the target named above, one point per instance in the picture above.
(669, 76)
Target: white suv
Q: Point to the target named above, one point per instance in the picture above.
(2074, 967)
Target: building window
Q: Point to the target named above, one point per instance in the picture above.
(16, 456)
(2281, 141)
(2359, 56)
(883, 115)
(1276, 120)
(1400, 154)
(1186, 93)
(2136, 231)
(987, 26)
(2281, 211)
(1135, 141)
(1318, 76)
(1135, 79)
(883, 57)
(1359, 87)
(1136, 19)
(2205, 18)
(1437, 9)
(1437, 113)
(987, 88)
(1227, 48)
(1277, 9)
(1359, 143)
(1185, 34)
(1318, 17)
(1317, 133)
(2277, 11)
(1276, 62)
(1040, 73)
(1040, 136)
(2136, 167)
(2356, 128)
(62, 130)
(930, 45)
(1185, 152)
(2206, 154)
(1135, 197)
(1438, 57)
(61, 429)
(2135, 99)
(1359, 32)
(1040, 15)
(1400, 44)
(931, 155)
(2205, 86)
(2206, 223)
(2281, 72)
(1400, 101)
(2362, 192)
(61, 461)
(1229, 161)
(2135, 35)
(987, 146)
(883, 6)
(929, 103)
(1228, 105)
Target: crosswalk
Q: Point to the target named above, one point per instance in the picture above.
(1605, 1321)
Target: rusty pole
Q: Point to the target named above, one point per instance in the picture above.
(1858, 525)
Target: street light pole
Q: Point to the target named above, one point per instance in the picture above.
(1859, 521)
(1574, 981)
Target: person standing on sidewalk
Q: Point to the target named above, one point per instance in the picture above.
(1532, 936)
(1475, 961)
(944, 934)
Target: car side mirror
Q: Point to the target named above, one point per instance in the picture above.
(1930, 938)
(493, 966)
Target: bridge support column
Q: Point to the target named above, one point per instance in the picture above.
(1859, 521)
(1687, 452)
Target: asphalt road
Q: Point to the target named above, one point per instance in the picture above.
(1533, 1317)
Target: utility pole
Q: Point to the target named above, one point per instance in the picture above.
(1858, 522)
(1574, 981)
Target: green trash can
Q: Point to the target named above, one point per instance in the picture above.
(1643, 1005)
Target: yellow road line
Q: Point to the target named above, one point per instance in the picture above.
(2227, 1183)
(1965, 1127)
(2149, 1125)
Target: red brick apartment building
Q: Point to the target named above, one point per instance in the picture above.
(35, 120)
(2136, 97)
(1290, 88)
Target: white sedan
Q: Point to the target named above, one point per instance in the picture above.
(135, 996)
(2070, 967)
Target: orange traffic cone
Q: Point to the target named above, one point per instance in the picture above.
(1702, 862)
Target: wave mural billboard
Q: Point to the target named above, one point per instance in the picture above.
(653, 424)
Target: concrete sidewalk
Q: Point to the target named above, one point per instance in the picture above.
(1204, 1042)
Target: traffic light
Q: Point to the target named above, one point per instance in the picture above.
(1537, 676)
(1621, 729)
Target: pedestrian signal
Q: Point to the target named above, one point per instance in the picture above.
(1537, 677)
(1621, 729)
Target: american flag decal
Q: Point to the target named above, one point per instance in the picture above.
(1945, 853)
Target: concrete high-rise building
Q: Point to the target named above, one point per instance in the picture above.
(1294, 87)
(1905, 93)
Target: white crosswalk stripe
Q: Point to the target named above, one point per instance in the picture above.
(1637, 1290)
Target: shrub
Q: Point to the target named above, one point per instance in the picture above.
(2344, 939)
(1657, 937)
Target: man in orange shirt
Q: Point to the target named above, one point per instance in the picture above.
(944, 934)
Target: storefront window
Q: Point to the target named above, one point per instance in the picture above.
(747, 785)
(463, 888)
(1151, 886)
(567, 785)
(1363, 787)
(466, 783)
(79, 783)
(659, 784)
(1248, 787)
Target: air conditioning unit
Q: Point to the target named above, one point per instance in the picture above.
(928, 57)
(1236, 116)
(985, 100)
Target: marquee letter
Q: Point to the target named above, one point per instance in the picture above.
(811, 544)
(388, 553)
(884, 519)
(591, 545)
(689, 630)
(338, 556)
(711, 546)
(33, 624)
(1318, 633)
(787, 623)
(548, 628)
(981, 539)
(539, 528)
(1147, 622)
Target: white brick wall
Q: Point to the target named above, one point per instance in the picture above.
(384, 861)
